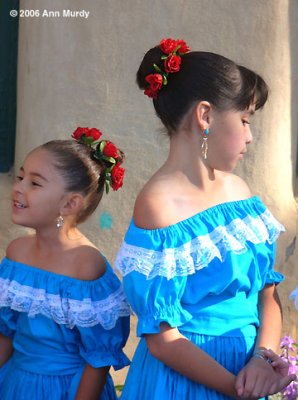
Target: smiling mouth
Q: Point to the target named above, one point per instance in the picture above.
(19, 205)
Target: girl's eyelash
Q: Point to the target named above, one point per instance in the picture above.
(20, 178)
(245, 122)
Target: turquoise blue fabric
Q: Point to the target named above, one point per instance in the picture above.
(58, 324)
(201, 275)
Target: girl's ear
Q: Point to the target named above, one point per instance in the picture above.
(202, 113)
(73, 204)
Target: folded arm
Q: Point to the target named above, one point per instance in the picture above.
(6, 349)
(92, 383)
(180, 354)
(258, 378)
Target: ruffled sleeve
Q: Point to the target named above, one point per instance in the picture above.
(8, 319)
(273, 277)
(156, 300)
(8, 316)
(100, 347)
(101, 344)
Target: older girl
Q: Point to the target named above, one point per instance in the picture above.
(198, 256)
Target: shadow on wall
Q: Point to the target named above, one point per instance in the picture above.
(293, 33)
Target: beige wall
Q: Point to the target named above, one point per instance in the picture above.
(81, 72)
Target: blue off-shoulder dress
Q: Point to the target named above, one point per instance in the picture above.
(201, 275)
(57, 325)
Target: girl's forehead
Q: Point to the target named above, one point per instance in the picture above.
(39, 157)
(40, 161)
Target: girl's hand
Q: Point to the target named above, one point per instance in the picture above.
(279, 365)
(259, 379)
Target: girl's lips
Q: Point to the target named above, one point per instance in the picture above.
(18, 205)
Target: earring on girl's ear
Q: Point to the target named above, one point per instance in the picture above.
(204, 145)
(60, 222)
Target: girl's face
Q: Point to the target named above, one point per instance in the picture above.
(38, 194)
(229, 137)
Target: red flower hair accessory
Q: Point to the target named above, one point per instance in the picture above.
(106, 153)
(173, 50)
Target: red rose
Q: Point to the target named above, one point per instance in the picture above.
(155, 81)
(183, 46)
(110, 150)
(172, 63)
(94, 133)
(167, 46)
(150, 93)
(117, 175)
(79, 132)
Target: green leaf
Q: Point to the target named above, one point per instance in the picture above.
(102, 145)
(157, 69)
(109, 159)
(177, 48)
(107, 184)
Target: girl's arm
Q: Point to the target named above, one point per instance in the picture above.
(180, 354)
(258, 378)
(6, 349)
(270, 319)
(92, 383)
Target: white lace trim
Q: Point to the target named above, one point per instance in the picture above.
(200, 251)
(64, 311)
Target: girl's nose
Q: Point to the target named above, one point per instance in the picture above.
(18, 186)
(249, 137)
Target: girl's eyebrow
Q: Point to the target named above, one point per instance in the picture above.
(36, 174)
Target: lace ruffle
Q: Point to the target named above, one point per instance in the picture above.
(70, 312)
(200, 251)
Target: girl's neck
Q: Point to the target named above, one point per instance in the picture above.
(185, 159)
(56, 239)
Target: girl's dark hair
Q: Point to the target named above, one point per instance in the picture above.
(80, 172)
(202, 76)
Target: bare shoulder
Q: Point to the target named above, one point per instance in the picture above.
(87, 262)
(237, 187)
(18, 248)
(154, 207)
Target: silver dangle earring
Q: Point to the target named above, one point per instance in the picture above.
(60, 222)
(204, 145)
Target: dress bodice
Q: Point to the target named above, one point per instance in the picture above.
(58, 323)
(202, 274)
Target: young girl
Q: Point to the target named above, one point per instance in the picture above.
(198, 256)
(63, 318)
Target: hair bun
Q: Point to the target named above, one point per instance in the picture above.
(158, 63)
(106, 154)
(153, 56)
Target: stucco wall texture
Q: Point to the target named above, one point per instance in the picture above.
(81, 72)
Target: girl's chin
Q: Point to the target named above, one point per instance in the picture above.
(226, 168)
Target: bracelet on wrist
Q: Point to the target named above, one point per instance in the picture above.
(259, 354)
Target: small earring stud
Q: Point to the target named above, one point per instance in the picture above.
(60, 222)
